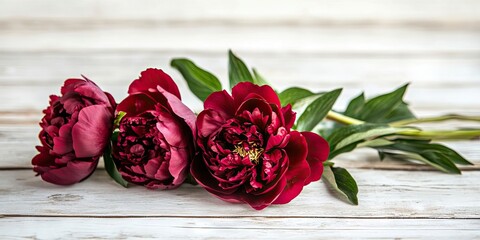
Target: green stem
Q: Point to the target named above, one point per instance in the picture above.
(340, 118)
(435, 119)
(442, 134)
(416, 133)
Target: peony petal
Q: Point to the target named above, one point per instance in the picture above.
(152, 169)
(259, 202)
(63, 143)
(243, 89)
(221, 102)
(176, 133)
(90, 90)
(280, 140)
(318, 151)
(112, 101)
(150, 79)
(179, 164)
(298, 169)
(74, 172)
(136, 104)
(92, 131)
(289, 116)
(180, 109)
(70, 84)
(289, 193)
(204, 178)
(251, 104)
(72, 102)
(209, 121)
(43, 159)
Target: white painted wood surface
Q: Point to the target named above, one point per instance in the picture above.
(372, 45)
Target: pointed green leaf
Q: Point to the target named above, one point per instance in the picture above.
(384, 108)
(293, 94)
(401, 112)
(442, 149)
(440, 163)
(355, 105)
(237, 70)
(317, 110)
(200, 82)
(382, 105)
(111, 168)
(342, 182)
(259, 79)
(437, 155)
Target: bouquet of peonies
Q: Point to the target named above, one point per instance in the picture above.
(246, 146)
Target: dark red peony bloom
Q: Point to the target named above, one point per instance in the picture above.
(155, 142)
(75, 131)
(248, 152)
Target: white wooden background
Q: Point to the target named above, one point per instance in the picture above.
(375, 45)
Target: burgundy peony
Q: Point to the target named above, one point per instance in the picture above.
(155, 142)
(75, 131)
(248, 152)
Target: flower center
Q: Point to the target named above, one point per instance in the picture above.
(251, 150)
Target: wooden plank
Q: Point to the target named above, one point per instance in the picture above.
(228, 228)
(278, 39)
(107, 68)
(383, 194)
(284, 11)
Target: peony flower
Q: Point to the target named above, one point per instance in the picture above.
(75, 131)
(155, 141)
(248, 152)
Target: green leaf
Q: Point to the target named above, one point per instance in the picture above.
(436, 155)
(342, 182)
(259, 79)
(441, 163)
(384, 108)
(328, 163)
(346, 138)
(293, 94)
(317, 110)
(191, 180)
(378, 142)
(363, 135)
(119, 118)
(200, 82)
(436, 147)
(381, 106)
(115, 135)
(237, 70)
(355, 106)
(401, 112)
(111, 168)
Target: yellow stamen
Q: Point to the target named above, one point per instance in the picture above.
(253, 154)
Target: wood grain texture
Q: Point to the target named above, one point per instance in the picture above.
(383, 194)
(372, 45)
(328, 71)
(414, 12)
(236, 228)
(279, 39)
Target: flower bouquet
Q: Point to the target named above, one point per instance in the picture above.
(251, 143)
